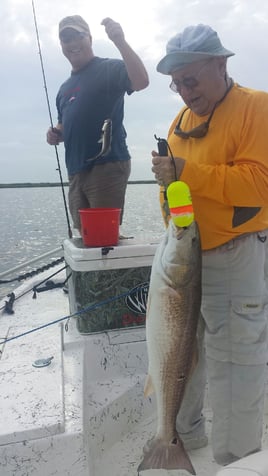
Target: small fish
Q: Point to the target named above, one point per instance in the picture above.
(105, 140)
(172, 315)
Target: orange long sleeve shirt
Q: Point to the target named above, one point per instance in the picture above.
(227, 170)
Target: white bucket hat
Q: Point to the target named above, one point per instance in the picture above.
(193, 44)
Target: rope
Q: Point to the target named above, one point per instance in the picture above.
(86, 309)
(30, 274)
(50, 284)
(35, 288)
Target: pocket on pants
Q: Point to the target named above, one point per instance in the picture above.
(248, 331)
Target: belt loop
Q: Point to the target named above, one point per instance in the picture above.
(262, 237)
(230, 245)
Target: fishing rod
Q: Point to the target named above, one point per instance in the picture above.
(51, 121)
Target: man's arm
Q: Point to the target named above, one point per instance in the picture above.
(135, 68)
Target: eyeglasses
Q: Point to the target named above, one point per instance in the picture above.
(190, 83)
(67, 36)
(199, 131)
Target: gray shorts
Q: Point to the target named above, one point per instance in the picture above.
(104, 186)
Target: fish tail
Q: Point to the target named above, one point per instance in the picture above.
(163, 455)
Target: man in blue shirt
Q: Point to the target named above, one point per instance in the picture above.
(92, 94)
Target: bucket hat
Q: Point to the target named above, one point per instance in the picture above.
(194, 43)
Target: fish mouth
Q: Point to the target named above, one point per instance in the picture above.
(180, 231)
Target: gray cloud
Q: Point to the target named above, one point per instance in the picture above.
(24, 154)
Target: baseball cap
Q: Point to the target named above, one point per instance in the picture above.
(75, 22)
(194, 43)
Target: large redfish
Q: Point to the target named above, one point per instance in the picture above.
(172, 315)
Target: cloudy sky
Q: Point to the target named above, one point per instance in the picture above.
(24, 154)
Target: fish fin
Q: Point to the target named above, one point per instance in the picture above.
(163, 455)
(148, 386)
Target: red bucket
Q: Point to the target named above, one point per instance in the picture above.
(100, 226)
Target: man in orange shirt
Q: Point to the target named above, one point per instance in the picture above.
(219, 143)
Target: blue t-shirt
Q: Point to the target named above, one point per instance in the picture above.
(84, 101)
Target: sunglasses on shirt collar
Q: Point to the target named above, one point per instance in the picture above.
(199, 131)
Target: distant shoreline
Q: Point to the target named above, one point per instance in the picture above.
(58, 184)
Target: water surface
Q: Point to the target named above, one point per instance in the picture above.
(33, 221)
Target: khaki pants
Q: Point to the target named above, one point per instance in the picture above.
(234, 308)
(103, 186)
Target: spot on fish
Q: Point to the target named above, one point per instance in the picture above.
(181, 378)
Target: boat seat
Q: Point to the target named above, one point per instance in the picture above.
(253, 465)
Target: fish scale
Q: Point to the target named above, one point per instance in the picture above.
(172, 315)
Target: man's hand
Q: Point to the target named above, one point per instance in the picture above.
(135, 68)
(164, 169)
(54, 136)
(113, 30)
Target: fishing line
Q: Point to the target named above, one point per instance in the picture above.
(4, 340)
(51, 122)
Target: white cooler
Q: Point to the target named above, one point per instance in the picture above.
(110, 283)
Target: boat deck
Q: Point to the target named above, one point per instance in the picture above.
(85, 414)
(125, 454)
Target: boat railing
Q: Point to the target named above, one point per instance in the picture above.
(30, 262)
